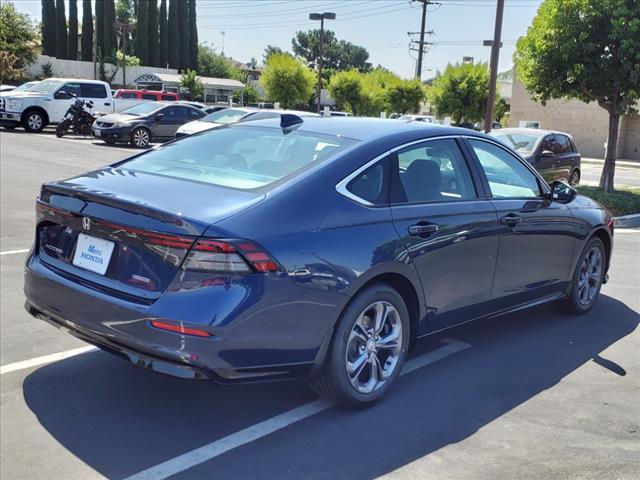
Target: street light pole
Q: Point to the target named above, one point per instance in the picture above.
(321, 17)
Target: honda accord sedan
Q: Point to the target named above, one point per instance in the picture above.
(319, 248)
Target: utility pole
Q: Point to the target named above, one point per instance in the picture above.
(95, 54)
(321, 17)
(125, 29)
(421, 47)
(495, 54)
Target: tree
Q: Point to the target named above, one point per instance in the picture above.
(17, 42)
(212, 64)
(347, 90)
(406, 96)
(49, 28)
(338, 54)
(99, 28)
(164, 35)
(587, 50)
(461, 92)
(183, 35)
(154, 42)
(287, 80)
(87, 32)
(249, 95)
(142, 32)
(72, 45)
(124, 14)
(61, 30)
(193, 36)
(270, 50)
(109, 51)
(174, 34)
(190, 81)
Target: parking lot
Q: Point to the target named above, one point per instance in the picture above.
(537, 394)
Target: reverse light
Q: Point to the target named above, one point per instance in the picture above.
(176, 328)
(228, 256)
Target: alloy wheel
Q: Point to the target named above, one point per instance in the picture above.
(141, 138)
(374, 347)
(574, 178)
(590, 276)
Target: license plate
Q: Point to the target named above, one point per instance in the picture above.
(97, 132)
(93, 253)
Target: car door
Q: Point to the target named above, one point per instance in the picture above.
(537, 235)
(449, 230)
(545, 158)
(97, 94)
(62, 99)
(565, 157)
(172, 118)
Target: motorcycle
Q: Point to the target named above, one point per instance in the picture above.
(78, 117)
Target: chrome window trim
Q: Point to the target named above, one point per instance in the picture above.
(341, 187)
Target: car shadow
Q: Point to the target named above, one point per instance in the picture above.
(120, 419)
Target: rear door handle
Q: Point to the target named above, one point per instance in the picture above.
(510, 220)
(423, 229)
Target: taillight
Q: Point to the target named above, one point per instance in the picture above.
(179, 328)
(611, 225)
(229, 256)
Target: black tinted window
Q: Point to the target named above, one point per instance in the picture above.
(149, 96)
(168, 97)
(548, 143)
(371, 185)
(562, 144)
(196, 113)
(68, 88)
(93, 90)
(127, 95)
(175, 113)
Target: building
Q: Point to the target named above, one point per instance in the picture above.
(216, 90)
(588, 123)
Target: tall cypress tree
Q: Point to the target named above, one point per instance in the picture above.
(99, 26)
(87, 31)
(49, 27)
(174, 34)
(61, 30)
(109, 29)
(72, 46)
(193, 36)
(142, 32)
(164, 35)
(183, 34)
(154, 45)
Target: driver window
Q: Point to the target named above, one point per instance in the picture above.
(68, 88)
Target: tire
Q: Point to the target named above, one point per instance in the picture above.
(588, 275)
(574, 178)
(62, 128)
(355, 339)
(33, 121)
(141, 137)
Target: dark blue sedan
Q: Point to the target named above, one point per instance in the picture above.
(317, 247)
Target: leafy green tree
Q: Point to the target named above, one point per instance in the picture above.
(17, 42)
(183, 35)
(406, 96)
(72, 46)
(190, 81)
(99, 26)
(193, 35)
(130, 60)
(347, 90)
(154, 40)
(461, 92)
(142, 32)
(287, 80)
(248, 96)
(49, 27)
(376, 83)
(270, 50)
(124, 14)
(87, 31)
(338, 54)
(212, 64)
(109, 30)
(61, 30)
(164, 35)
(587, 50)
(174, 34)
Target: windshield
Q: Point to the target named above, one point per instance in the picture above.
(25, 87)
(143, 108)
(520, 142)
(228, 115)
(239, 156)
(45, 86)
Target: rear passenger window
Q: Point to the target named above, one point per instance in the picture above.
(169, 98)
(149, 96)
(93, 90)
(371, 185)
(195, 113)
(433, 171)
(127, 95)
(563, 144)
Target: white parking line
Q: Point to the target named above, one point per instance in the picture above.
(11, 252)
(207, 452)
(35, 362)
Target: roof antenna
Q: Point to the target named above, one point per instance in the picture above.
(289, 120)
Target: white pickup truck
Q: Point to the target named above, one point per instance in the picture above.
(48, 101)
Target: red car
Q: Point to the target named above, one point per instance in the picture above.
(147, 95)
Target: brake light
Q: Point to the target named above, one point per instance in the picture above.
(239, 256)
(611, 224)
(171, 327)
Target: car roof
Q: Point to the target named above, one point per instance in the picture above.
(365, 128)
(531, 131)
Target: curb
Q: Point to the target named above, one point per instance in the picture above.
(627, 221)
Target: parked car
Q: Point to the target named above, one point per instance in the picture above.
(152, 95)
(300, 247)
(7, 88)
(234, 115)
(21, 88)
(334, 113)
(418, 118)
(553, 154)
(144, 123)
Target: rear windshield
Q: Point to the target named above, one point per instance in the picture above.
(239, 157)
(521, 142)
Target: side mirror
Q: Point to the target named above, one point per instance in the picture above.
(159, 116)
(562, 192)
(546, 153)
(60, 95)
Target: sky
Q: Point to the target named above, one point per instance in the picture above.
(381, 26)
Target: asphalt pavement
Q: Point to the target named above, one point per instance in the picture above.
(625, 175)
(538, 394)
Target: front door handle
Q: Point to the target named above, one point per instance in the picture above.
(423, 229)
(510, 220)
